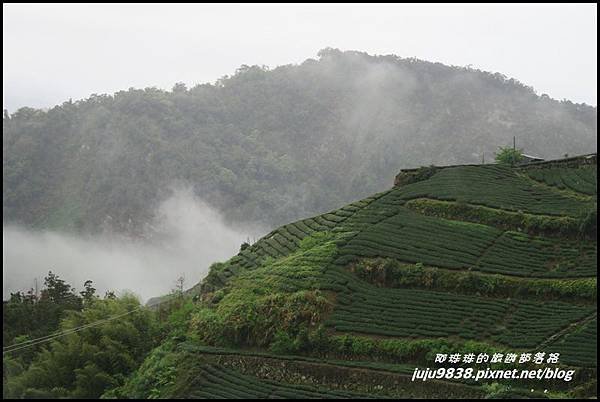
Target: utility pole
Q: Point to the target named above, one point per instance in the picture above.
(514, 143)
(180, 283)
(483, 158)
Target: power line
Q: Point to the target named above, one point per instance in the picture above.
(52, 335)
(48, 338)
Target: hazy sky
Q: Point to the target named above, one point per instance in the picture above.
(55, 52)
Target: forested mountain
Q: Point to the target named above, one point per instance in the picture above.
(271, 145)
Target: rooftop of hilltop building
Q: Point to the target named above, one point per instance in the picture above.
(406, 176)
(531, 158)
(567, 161)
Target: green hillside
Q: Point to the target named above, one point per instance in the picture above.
(461, 259)
(270, 146)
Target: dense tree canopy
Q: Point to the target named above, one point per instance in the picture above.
(509, 156)
(29, 315)
(270, 145)
(98, 343)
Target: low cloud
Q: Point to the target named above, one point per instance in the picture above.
(187, 237)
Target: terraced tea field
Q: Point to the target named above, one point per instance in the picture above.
(235, 374)
(411, 237)
(579, 346)
(216, 382)
(581, 180)
(413, 313)
(497, 187)
(295, 291)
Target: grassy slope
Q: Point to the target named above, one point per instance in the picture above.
(386, 283)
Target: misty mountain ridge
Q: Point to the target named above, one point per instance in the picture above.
(270, 146)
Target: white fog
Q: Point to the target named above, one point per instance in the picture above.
(192, 236)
